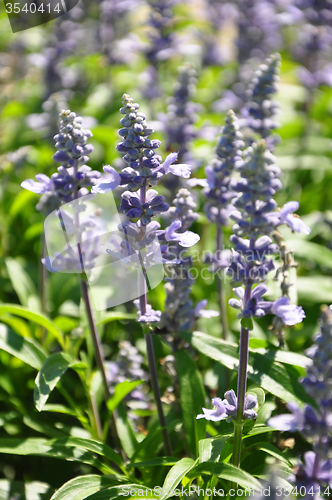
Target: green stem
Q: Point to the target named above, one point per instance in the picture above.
(151, 354)
(221, 292)
(241, 386)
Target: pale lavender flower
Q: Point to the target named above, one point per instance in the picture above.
(43, 185)
(218, 413)
(286, 216)
(290, 314)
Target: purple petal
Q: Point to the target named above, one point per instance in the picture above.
(188, 239)
(258, 291)
(197, 182)
(284, 422)
(35, 187)
(288, 208)
(181, 170)
(171, 158)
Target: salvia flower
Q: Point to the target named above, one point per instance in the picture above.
(218, 207)
(314, 425)
(182, 114)
(180, 314)
(145, 168)
(313, 46)
(128, 366)
(73, 176)
(227, 408)
(217, 191)
(258, 29)
(260, 110)
(253, 246)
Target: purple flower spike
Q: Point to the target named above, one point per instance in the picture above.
(310, 475)
(290, 314)
(218, 413)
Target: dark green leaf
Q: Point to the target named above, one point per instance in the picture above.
(192, 398)
(26, 350)
(38, 318)
(229, 472)
(48, 377)
(175, 476)
(121, 391)
(156, 462)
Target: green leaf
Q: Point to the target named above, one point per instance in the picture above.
(228, 472)
(140, 492)
(82, 487)
(121, 391)
(210, 449)
(63, 449)
(23, 285)
(48, 377)
(192, 399)
(273, 451)
(27, 491)
(24, 349)
(314, 289)
(38, 318)
(125, 432)
(271, 375)
(114, 316)
(156, 462)
(258, 429)
(311, 251)
(93, 446)
(56, 408)
(175, 476)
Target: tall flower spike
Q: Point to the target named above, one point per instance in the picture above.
(317, 427)
(73, 176)
(180, 314)
(313, 46)
(258, 29)
(219, 196)
(260, 110)
(144, 170)
(251, 260)
(181, 113)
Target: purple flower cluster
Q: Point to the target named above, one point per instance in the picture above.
(181, 114)
(128, 366)
(255, 219)
(144, 168)
(180, 314)
(313, 46)
(227, 408)
(258, 29)
(260, 110)
(316, 426)
(73, 176)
